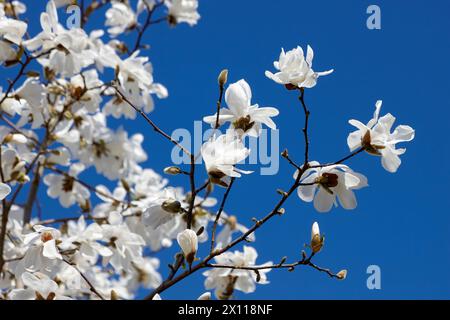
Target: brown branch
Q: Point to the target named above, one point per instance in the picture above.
(222, 205)
(147, 23)
(150, 122)
(351, 155)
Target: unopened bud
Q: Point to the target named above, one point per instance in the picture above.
(172, 170)
(223, 77)
(114, 295)
(188, 242)
(15, 137)
(316, 239)
(342, 274)
(172, 206)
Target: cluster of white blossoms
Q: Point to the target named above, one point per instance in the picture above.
(55, 133)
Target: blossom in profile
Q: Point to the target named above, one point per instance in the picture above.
(295, 70)
(241, 113)
(221, 154)
(188, 242)
(377, 139)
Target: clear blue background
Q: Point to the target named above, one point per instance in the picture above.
(402, 221)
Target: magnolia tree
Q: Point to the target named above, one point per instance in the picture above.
(54, 125)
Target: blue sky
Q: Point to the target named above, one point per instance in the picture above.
(402, 221)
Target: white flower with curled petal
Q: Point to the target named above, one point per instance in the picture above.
(241, 113)
(334, 181)
(225, 280)
(377, 139)
(119, 18)
(295, 70)
(38, 287)
(163, 209)
(183, 11)
(65, 188)
(188, 242)
(42, 252)
(221, 154)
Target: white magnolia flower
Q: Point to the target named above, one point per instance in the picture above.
(377, 139)
(335, 181)
(119, 18)
(11, 29)
(241, 113)
(4, 190)
(145, 274)
(295, 70)
(183, 11)
(127, 246)
(86, 239)
(38, 287)
(68, 51)
(65, 188)
(42, 254)
(225, 281)
(221, 154)
(163, 209)
(188, 242)
(13, 166)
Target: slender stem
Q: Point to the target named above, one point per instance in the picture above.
(222, 205)
(150, 122)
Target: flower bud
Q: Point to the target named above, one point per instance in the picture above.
(172, 206)
(223, 77)
(316, 238)
(342, 274)
(172, 170)
(15, 137)
(188, 242)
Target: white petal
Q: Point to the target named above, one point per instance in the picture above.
(323, 201)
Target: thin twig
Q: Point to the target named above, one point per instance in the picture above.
(222, 205)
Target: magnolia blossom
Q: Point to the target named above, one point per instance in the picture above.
(67, 49)
(241, 113)
(183, 11)
(188, 242)
(65, 188)
(377, 139)
(164, 209)
(11, 29)
(295, 70)
(42, 252)
(221, 154)
(334, 181)
(119, 18)
(225, 281)
(38, 287)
